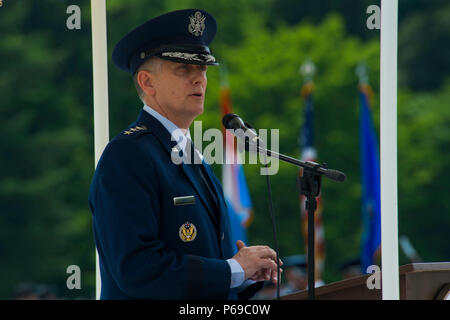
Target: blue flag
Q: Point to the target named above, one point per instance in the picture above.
(370, 173)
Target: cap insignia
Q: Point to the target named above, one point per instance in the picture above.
(190, 56)
(197, 24)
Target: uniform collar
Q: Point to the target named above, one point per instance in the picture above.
(175, 132)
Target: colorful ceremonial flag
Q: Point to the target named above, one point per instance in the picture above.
(370, 173)
(308, 153)
(234, 184)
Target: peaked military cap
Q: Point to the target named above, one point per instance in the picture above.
(180, 36)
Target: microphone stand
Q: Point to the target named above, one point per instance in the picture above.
(309, 185)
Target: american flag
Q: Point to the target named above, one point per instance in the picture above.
(308, 153)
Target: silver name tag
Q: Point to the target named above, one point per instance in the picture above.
(181, 201)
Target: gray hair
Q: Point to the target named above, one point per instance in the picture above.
(153, 65)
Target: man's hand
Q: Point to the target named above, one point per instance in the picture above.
(258, 262)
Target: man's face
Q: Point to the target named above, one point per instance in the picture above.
(180, 89)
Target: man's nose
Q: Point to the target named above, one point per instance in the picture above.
(199, 77)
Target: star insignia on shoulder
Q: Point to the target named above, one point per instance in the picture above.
(134, 129)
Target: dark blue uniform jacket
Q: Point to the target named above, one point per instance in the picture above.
(137, 225)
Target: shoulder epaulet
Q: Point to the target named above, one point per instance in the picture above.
(134, 130)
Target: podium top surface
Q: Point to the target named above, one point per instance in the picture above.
(360, 281)
(425, 266)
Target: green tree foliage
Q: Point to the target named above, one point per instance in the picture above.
(423, 164)
(425, 66)
(46, 143)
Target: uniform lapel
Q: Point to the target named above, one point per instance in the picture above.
(225, 227)
(165, 139)
(218, 190)
(195, 181)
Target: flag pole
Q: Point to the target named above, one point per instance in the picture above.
(100, 84)
(388, 150)
(306, 180)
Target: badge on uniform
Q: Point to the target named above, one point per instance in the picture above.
(187, 232)
(181, 201)
(197, 24)
(135, 129)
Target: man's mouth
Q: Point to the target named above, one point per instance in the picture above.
(197, 94)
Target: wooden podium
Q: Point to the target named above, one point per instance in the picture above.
(418, 281)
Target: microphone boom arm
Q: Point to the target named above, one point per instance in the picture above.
(334, 175)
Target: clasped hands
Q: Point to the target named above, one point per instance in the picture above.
(258, 262)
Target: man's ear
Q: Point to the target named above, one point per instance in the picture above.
(146, 81)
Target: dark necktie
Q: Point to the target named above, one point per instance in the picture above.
(200, 170)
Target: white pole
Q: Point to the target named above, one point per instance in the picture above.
(388, 147)
(100, 80)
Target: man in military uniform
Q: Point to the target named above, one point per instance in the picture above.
(161, 227)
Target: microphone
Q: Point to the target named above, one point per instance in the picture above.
(335, 175)
(234, 122)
